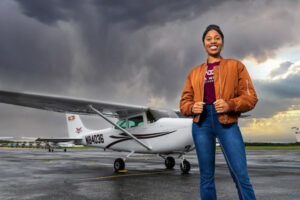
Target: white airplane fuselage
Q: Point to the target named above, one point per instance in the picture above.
(166, 135)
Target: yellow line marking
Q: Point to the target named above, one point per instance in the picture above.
(127, 175)
(122, 171)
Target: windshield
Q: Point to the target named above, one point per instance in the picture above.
(156, 114)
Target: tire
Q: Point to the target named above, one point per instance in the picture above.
(170, 162)
(185, 166)
(65, 150)
(119, 164)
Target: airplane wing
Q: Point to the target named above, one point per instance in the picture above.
(68, 105)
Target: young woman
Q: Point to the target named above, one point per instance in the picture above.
(215, 94)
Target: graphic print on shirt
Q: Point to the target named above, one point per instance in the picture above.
(209, 77)
(209, 88)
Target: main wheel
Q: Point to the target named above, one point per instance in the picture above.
(170, 162)
(185, 166)
(119, 164)
(65, 150)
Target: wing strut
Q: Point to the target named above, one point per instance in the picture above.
(122, 129)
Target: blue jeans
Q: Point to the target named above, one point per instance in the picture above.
(232, 145)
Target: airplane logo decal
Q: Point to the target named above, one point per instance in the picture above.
(124, 137)
(78, 130)
(71, 118)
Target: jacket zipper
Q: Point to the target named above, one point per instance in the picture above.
(204, 83)
(247, 87)
(203, 87)
(224, 115)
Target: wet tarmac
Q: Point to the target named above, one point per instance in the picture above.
(88, 174)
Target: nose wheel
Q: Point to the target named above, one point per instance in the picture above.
(185, 166)
(119, 164)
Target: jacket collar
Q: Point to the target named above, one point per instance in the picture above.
(221, 61)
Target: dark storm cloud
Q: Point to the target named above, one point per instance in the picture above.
(117, 36)
(134, 13)
(50, 11)
(31, 53)
(277, 95)
(258, 29)
(287, 88)
(130, 51)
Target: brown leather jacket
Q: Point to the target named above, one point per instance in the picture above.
(232, 83)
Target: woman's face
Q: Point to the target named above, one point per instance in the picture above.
(213, 43)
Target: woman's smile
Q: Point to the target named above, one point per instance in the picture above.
(214, 47)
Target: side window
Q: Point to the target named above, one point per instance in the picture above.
(135, 121)
(121, 123)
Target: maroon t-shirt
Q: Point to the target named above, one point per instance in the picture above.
(209, 88)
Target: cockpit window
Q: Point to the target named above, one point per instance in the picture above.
(135, 121)
(121, 123)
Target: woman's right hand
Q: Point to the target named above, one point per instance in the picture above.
(198, 107)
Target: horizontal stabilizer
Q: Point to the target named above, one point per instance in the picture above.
(56, 140)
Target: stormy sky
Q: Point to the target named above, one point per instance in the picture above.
(139, 52)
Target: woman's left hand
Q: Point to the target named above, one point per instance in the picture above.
(221, 106)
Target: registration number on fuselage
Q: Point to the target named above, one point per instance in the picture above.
(94, 139)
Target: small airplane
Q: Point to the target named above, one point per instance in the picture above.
(297, 133)
(57, 145)
(140, 129)
(52, 143)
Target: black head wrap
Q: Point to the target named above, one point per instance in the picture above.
(212, 27)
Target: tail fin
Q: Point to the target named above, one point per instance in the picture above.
(75, 126)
